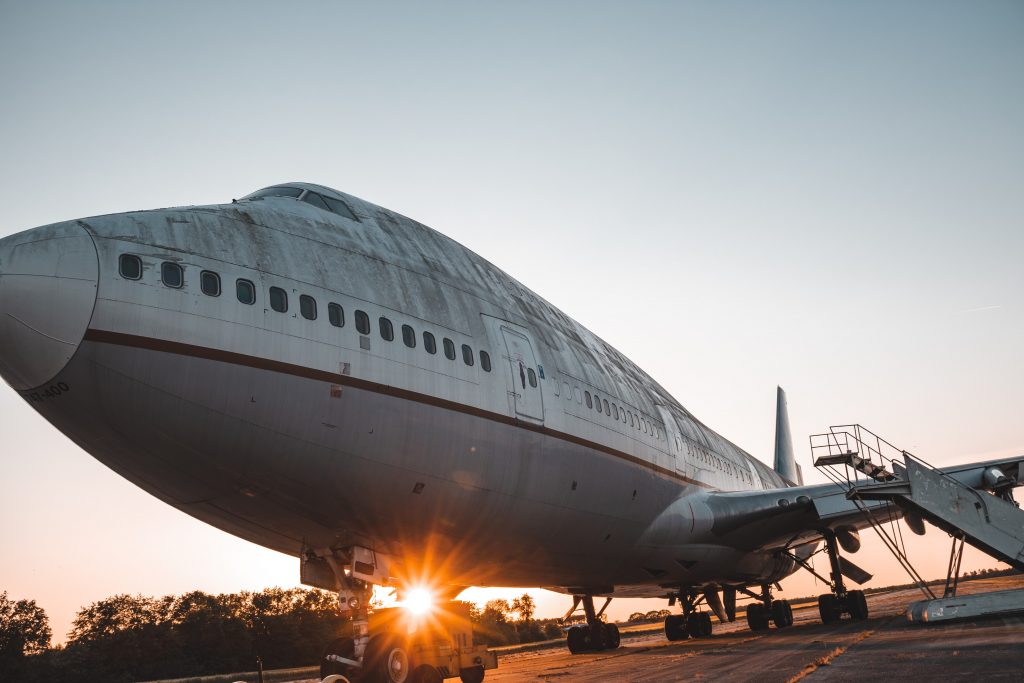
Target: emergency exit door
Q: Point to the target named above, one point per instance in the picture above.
(525, 382)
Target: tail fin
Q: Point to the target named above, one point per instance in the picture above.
(785, 460)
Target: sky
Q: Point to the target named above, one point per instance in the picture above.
(737, 195)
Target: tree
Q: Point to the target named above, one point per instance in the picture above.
(24, 630)
(524, 606)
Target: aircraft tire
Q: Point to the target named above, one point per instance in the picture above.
(829, 608)
(757, 617)
(782, 613)
(857, 605)
(474, 674)
(576, 639)
(612, 639)
(675, 628)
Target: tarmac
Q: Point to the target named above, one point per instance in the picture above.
(883, 646)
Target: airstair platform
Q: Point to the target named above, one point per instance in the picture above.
(972, 503)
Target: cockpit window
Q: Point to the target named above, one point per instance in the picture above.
(341, 208)
(277, 191)
(316, 200)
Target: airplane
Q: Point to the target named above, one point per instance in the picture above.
(335, 381)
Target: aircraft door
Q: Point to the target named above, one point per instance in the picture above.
(525, 383)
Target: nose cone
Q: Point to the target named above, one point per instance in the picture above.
(48, 279)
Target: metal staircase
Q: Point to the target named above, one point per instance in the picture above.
(973, 503)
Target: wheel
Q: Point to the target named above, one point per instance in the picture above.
(705, 624)
(829, 608)
(757, 617)
(611, 636)
(474, 674)
(675, 627)
(387, 660)
(577, 639)
(344, 648)
(782, 613)
(857, 605)
(425, 673)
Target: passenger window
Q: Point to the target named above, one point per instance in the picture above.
(409, 336)
(130, 266)
(307, 306)
(597, 403)
(387, 331)
(615, 412)
(336, 315)
(631, 422)
(485, 360)
(362, 322)
(172, 275)
(245, 291)
(429, 343)
(532, 377)
(209, 282)
(606, 410)
(278, 299)
(467, 355)
(579, 396)
(568, 391)
(586, 397)
(449, 349)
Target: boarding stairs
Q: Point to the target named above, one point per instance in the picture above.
(972, 503)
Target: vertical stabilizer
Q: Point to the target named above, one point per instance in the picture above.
(785, 460)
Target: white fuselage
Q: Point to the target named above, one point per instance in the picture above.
(563, 465)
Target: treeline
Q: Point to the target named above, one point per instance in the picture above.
(138, 638)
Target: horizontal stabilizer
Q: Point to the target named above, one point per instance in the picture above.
(853, 572)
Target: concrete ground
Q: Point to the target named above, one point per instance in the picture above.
(885, 645)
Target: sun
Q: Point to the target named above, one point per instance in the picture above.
(419, 601)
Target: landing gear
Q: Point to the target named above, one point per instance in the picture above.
(767, 610)
(691, 623)
(832, 606)
(595, 635)
(387, 659)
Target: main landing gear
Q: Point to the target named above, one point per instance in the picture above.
(692, 623)
(832, 606)
(767, 610)
(595, 635)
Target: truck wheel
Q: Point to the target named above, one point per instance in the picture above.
(474, 674)
(425, 673)
(387, 660)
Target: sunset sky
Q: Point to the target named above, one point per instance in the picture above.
(820, 195)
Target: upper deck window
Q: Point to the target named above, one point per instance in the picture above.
(278, 299)
(209, 282)
(172, 274)
(467, 354)
(276, 191)
(245, 291)
(429, 343)
(362, 322)
(130, 266)
(409, 336)
(449, 349)
(336, 314)
(387, 330)
(307, 306)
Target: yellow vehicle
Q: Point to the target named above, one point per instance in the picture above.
(407, 648)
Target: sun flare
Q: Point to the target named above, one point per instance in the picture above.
(419, 601)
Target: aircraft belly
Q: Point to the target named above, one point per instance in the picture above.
(285, 461)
